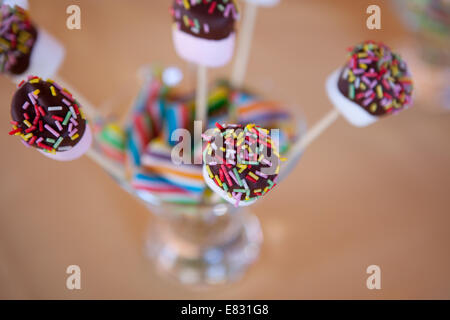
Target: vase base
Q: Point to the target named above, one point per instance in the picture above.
(203, 265)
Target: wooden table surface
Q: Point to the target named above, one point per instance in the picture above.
(378, 195)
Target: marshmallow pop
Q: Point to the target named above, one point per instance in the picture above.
(241, 164)
(47, 117)
(204, 31)
(374, 82)
(24, 48)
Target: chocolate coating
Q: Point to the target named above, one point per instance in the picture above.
(212, 20)
(253, 169)
(74, 126)
(17, 38)
(376, 79)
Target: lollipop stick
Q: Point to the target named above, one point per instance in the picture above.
(201, 95)
(91, 113)
(315, 131)
(109, 166)
(244, 45)
(312, 134)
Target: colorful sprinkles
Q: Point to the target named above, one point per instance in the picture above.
(210, 19)
(17, 37)
(242, 161)
(376, 78)
(49, 128)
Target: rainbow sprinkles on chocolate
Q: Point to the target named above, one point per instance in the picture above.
(241, 163)
(376, 78)
(17, 38)
(207, 19)
(46, 116)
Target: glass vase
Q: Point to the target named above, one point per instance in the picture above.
(203, 245)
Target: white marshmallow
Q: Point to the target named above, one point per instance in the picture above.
(46, 57)
(205, 52)
(264, 3)
(222, 192)
(21, 3)
(350, 110)
(77, 151)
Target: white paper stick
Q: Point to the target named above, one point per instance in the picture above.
(201, 95)
(244, 45)
(316, 131)
(112, 168)
(92, 113)
(298, 148)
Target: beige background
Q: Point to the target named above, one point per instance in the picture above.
(378, 195)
